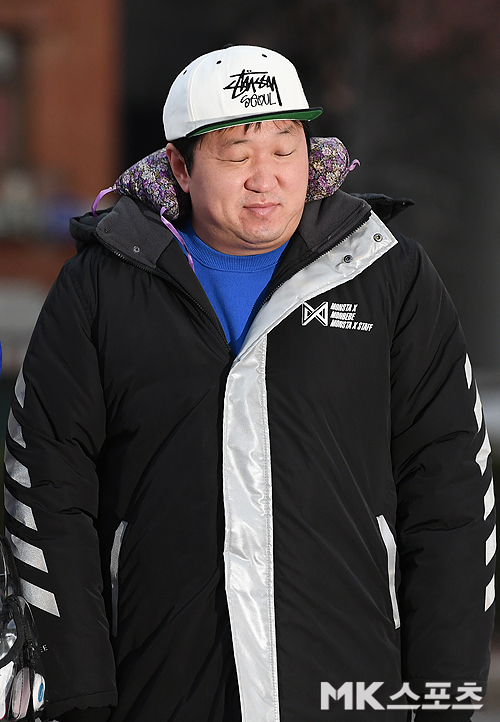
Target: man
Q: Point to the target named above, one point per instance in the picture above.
(247, 472)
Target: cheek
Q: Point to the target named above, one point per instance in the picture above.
(226, 195)
(298, 188)
(216, 199)
(297, 178)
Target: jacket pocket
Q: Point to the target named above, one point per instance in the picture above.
(390, 546)
(113, 571)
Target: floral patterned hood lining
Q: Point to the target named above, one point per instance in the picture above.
(151, 179)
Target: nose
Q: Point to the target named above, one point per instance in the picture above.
(262, 178)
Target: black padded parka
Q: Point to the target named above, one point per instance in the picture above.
(292, 534)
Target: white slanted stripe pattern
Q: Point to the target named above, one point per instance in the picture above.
(27, 553)
(489, 597)
(491, 545)
(24, 551)
(468, 370)
(489, 500)
(40, 598)
(17, 471)
(15, 431)
(478, 410)
(20, 388)
(489, 497)
(483, 453)
(22, 512)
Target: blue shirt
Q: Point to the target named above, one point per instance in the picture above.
(235, 285)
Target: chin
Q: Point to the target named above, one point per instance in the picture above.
(264, 235)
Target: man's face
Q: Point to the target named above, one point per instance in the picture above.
(247, 187)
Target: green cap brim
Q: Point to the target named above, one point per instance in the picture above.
(308, 114)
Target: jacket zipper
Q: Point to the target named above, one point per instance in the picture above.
(337, 243)
(165, 277)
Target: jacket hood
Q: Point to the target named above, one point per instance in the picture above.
(152, 182)
(151, 193)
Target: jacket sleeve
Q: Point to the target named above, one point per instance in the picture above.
(56, 430)
(446, 519)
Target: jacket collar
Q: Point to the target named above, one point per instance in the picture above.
(150, 191)
(134, 231)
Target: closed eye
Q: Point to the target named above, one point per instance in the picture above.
(233, 160)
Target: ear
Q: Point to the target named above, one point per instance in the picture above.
(178, 167)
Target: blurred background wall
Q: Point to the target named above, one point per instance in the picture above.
(412, 87)
(61, 94)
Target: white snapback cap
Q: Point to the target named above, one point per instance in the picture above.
(235, 85)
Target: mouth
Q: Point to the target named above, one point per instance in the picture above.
(261, 210)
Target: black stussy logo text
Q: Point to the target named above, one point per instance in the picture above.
(248, 86)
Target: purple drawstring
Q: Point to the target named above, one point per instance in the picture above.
(178, 236)
(99, 196)
(353, 165)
